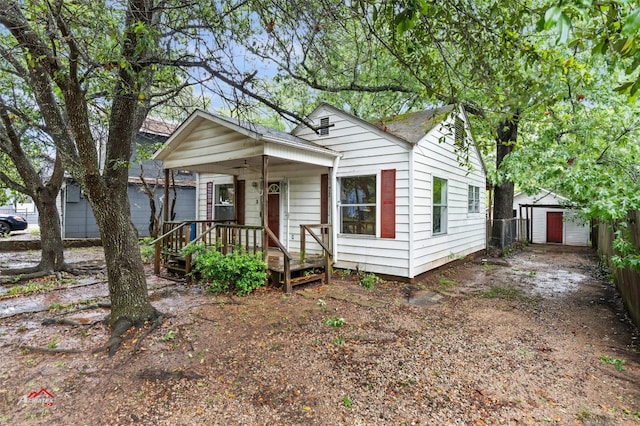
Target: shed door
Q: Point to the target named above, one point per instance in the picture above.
(554, 227)
(273, 215)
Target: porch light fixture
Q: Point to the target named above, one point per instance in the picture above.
(256, 187)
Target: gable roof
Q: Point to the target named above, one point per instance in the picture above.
(541, 195)
(406, 129)
(271, 135)
(366, 124)
(243, 128)
(413, 126)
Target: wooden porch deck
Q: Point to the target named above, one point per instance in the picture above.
(302, 272)
(285, 268)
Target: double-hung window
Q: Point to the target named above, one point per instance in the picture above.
(439, 206)
(223, 202)
(358, 205)
(474, 199)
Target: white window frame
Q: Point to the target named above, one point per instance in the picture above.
(219, 203)
(473, 205)
(372, 207)
(441, 205)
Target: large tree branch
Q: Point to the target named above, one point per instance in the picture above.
(10, 143)
(12, 184)
(38, 77)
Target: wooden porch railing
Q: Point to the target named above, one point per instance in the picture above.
(287, 259)
(324, 241)
(221, 234)
(172, 238)
(176, 235)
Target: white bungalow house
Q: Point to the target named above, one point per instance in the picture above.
(550, 219)
(395, 198)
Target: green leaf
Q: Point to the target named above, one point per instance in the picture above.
(601, 47)
(634, 88)
(564, 25)
(623, 87)
(552, 16)
(632, 23)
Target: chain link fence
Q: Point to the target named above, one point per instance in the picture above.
(503, 233)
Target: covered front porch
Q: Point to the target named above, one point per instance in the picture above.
(285, 268)
(260, 190)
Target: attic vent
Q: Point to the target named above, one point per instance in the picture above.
(459, 132)
(324, 126)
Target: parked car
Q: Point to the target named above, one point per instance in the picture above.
(11, 222)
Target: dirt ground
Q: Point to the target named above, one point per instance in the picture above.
(540, 339)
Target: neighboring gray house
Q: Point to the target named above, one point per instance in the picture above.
(76, 215)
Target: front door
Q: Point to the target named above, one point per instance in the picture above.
(273, 214)
(554, 227)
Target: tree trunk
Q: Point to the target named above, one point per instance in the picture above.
(127, 281)
(506, 137)
(52, 258)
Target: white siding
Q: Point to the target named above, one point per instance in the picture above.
(366, 152)
(466, 232)
(299, 200)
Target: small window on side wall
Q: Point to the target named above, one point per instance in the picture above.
(474, 199)
(324, 126)
(439, 206)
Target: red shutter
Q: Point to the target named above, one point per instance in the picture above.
(240, 201)
(324, 198)
(209, 200)
(388, 208)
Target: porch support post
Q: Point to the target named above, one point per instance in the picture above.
(334, 219)
(265, 205)
(165, 202)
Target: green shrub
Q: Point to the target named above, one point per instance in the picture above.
(238, 271)
(335, 322)
(147, 251)
(369, 280)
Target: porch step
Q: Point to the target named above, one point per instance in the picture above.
(295, 265)
(306, 279)
(176, 268)
(174, 263)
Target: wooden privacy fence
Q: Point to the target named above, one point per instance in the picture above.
(627, 280)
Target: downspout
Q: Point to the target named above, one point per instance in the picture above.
(411, 209)
(197, 216)
(334, 209)
(287, 220)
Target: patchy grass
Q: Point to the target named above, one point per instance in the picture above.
(507, 293)
(32, 287)
(618, 363)
(510, 293)
(445, 283)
